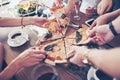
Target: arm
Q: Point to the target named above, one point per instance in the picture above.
(103, 19)
(104, 6)
(12, 22)
(1, 56)
(69, 7)
(103, 34)
(106, 60)
(28, 58)
(116, 23)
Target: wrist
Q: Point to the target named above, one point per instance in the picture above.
(91, 57)
(28, 21)
(18, 63)
(113, 30)
(32, 20)
(86, 57)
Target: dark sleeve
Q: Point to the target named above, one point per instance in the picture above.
(116, 5)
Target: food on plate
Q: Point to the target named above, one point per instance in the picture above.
(79, 36)
(26, 7)
(59, 48)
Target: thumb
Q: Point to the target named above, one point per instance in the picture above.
(92, 33)
(93, 25)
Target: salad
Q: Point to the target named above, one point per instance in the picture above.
(26, 7)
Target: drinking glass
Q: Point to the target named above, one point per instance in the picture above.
(44, 72)
(76, 6)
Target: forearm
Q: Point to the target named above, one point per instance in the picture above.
(69, 6)
(12, 22)
(107, 60)
(9, 71)
(1, 56)
(112, 15)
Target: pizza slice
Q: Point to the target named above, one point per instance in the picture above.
(79, 36)
(56, 51)
(48, 37)
(57, 25)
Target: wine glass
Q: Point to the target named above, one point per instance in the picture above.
(76, 6)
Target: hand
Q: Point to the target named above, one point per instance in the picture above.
(101, 34)
(77, 58)
(57, 3)
(104, 6)
(39, 21)
(90, 11)
(103, 19)
(30, 57)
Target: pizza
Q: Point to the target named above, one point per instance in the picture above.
(56, 51)
(57, 24)
(56, 30)
(60, 48)
(79, 36)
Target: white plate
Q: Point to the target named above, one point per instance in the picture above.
(91, 74)
(18, 40)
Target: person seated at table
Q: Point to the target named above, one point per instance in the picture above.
(102, 34)
(21, 21)
(26, 59)
(103, 6)
(106, 18)
(106, 60)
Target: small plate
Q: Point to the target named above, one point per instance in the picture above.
(17, 38)
(92, 74)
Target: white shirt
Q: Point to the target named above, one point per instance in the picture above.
(88, 3)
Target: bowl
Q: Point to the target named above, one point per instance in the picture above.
(26, 8)
(17, 38)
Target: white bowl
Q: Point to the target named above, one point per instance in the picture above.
(17, 38)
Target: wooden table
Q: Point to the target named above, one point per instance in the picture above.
(69, 72)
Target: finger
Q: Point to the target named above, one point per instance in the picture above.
(36, 63)
(102, 10)
(93, 40)
(98, 9)
(40, 56)
(93, 25)
(92, 33)
(108, 9)
(40, 52)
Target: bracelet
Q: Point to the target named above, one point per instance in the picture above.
(112, 29)
(85, 57)
(22, 22)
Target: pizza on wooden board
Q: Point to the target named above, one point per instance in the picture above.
(60, 49)
(79, 36)
(56, 51)
(56, 29)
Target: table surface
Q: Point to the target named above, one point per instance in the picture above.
(69, 72)
(65, 72)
